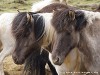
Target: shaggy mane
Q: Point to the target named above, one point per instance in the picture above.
(61, 20)
(20, 25)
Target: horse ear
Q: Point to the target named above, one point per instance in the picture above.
(71, 15)
(80, 20)
(29, 17)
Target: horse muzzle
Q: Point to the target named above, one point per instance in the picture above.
(17, 60)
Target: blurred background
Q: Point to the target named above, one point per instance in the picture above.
(25, 5)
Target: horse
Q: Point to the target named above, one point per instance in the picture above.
(7, 29)
(78, 29)
(41, 4)
(54, 7)
(20, 53)
(8, 40)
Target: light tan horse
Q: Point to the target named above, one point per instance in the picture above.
(80, 29)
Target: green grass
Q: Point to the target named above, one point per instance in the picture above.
(13, 5)
(82, 2)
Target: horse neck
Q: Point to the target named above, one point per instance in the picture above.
(90, 51)
(90, 40)
(91, 32)
(49, 30)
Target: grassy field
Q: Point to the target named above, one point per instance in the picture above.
(14, 5)
(82, 2)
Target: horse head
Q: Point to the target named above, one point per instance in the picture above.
(67, 23)
(27, 29)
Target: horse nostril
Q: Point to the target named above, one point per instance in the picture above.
(15, 59)
(56, 60)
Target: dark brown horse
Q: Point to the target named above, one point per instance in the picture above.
(22, 28)
(41, 4)
(78, 29)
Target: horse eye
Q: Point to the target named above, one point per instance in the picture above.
(26, 34)
(68, 33)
